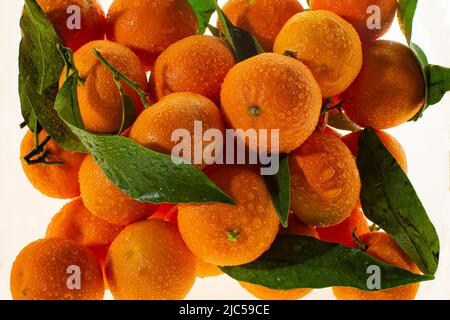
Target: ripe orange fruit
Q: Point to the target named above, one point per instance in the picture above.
(295, 227)
(205, 270)
(262, 18)
(343, 232)
(206, 63)
(325, 181)
(391, 144)
(43, 271)
(76, 223)
(272, 91)
(98, 97)
(382, 247)
(154, 127)
(91, 19)
(390, 89)
(327, 44)
(104, 200)
(56, 181)
(148, 27)
(228, 235)
(149, 261)
(357, 13)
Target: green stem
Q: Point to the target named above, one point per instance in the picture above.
(39, 149)
(69, 61)
(358, 241)
(117, 75)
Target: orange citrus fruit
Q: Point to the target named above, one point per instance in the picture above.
(206, 62)
(262, 18)
(104, 200)
(362, 14)
(149, 261)
(390, 89)
(155, 126)
(91, 20)
(57, 180)
(205, 270)
(391, 144)
(227, 235)
(343, 232)
(327, 44)
(325, 181)
(272, 92)
(43, 271)
(76, 223)
(148, 27)
(99, 98)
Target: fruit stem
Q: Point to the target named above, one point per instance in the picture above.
(39, 149)
(358, 241)
(69, 61)
(118, 75)
(233, 235)
(326, 106)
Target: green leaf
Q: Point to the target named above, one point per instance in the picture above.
(203, 9)
(279, 186)
(341, 121)
(126, 100)
(129, 112)
(304, 262)
(139, 172)
(438, 83)
(437, 80)
(390, 201)
(40, 66)
(66, 103)
(242, 42)
(406, 11)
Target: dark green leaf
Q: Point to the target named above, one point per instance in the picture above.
(40, 66)
(203, 9)
(304, 262)
(141, 173)
(405, 14)
(438, 83)
(243, 43)
(128, 111)
(390, 201)
(68, 93)
(279, 186)
(341, 121)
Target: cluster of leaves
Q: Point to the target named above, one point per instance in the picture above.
(387, 195)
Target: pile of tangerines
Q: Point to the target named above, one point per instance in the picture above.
(144, 251)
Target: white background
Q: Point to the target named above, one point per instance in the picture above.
(25, 213)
